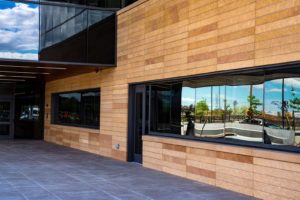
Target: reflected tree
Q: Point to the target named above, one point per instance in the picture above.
(253, 104)
(294, 103)
(187, 112)
(201, 108)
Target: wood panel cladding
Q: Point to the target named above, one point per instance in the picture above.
(113, 116)
(174, 38)
(167, 39)
(249, 171)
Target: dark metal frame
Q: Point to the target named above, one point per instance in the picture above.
(54, 109)
(132, 123)
(130, 136)
(11, 100)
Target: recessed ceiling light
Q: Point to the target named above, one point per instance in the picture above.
(30, 67)
(7, 79)
(13, 76)
(18, 72)
(59, 68)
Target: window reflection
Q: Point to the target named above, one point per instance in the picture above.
(292, 100)
(244, 112)
(166, 107)
(203, 109)
(91, 108)
(60, 30)
(161, 106)
(76, 34)
(78, 108)
(210, 111)
(69, 108)
(281, 107)
(188, 110)
(251, 108)
(30, 112)
(218, 111)
(59, 23)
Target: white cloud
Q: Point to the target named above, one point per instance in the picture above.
(260, 86)
(21, 56)
(188, 100)
(274, 90)
(295, 82)
(19, 29)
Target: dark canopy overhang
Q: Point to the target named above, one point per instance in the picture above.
(32, 71)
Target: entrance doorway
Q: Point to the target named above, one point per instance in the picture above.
(21, 110)
(138, 118)
(29, 115)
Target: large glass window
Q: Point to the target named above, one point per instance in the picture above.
(254, 108)
(80, 108)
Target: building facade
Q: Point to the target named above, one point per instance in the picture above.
(199, 45)
(207, 90)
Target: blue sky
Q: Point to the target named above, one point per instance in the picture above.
(8, 4)
(5, 4)
(273, 93)
(19, 30)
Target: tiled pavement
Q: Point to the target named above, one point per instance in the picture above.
(37, 170)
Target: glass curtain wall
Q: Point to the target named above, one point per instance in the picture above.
(253, 108)
(73, 31)
(68, 34)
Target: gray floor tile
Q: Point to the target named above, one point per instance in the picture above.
(37, 170)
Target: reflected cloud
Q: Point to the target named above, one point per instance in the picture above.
(21, 56)
(261, 86)
(187, 100)
(295, 82)
(19, 30)
(275, 90)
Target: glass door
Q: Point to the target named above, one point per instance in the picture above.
(6, 119)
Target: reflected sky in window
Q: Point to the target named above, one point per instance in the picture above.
(238, 95)
(19, 30)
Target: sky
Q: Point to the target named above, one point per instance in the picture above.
(19, 30)
(273, 93)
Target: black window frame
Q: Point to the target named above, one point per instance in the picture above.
(258, 69)
(55, 107)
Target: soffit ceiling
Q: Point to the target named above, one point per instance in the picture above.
(31, 71)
